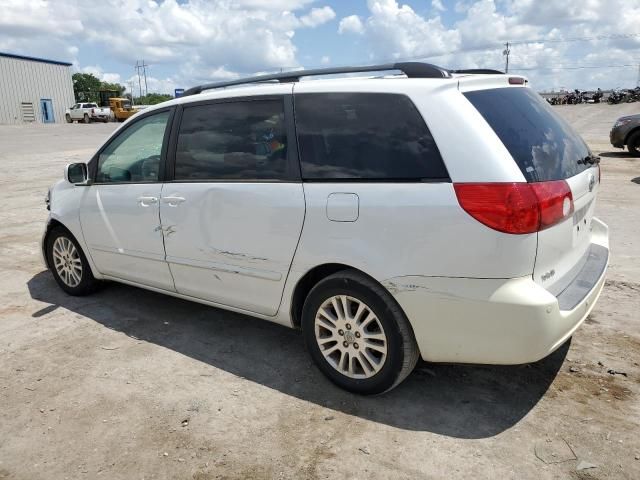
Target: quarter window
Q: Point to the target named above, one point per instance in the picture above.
(365, 136)
(243, 140)
(134, 156)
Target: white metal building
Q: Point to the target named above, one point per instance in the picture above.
(34, 89)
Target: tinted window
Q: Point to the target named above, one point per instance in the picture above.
(364, 136)
(543, 145)
(232, 141)
(134, 155)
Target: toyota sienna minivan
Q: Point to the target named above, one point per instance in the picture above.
(429, 213)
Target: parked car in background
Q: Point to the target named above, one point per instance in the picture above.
(88, 112)
(362, 219)
(626, 133)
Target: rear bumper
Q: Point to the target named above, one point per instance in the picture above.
(498, 321)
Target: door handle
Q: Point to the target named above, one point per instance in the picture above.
(145, 200)
(173, 200)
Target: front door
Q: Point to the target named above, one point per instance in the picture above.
(233, 215)
(46, 110)
(120, 214)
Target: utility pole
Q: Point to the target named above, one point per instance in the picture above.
(130, 83)
(144, 71)
(506, 53)
(137, 67)
(638, 81)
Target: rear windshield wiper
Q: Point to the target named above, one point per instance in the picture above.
(590, 160)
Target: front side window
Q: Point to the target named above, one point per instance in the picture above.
(134, 156)
(365, 136)
(244, 140)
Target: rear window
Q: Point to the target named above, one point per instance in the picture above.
(543, 145)
(364, 136)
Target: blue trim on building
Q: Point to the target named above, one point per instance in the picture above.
(34, 59)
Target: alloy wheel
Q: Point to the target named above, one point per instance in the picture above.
(67, 261)
(350, 337)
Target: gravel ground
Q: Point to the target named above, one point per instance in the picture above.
(132, 384)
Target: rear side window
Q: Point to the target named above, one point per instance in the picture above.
(243, 140)
(543, 145)
(365, 136)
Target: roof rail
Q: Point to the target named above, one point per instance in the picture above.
(410, 69)
(478, 71)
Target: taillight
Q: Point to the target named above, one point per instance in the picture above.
(516, 208)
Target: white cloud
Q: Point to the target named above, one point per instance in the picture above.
(437, 5)
(187, 42)
(318, 16)
(99, 73)
(200, 39)
(393, 30)
(351, 24)
(325, 60)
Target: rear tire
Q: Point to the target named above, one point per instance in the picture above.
(633, 144)
(368, 347)
(68, 263)
(86, 118)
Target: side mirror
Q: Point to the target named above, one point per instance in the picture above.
(77, 173)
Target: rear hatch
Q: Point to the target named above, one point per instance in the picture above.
(547, 149)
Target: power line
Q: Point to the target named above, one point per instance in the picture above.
(574, 67)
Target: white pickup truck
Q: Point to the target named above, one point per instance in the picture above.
(88, 112)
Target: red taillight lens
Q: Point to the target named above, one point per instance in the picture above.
(555, 201)
(516, 208)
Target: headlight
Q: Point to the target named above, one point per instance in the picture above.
(47, 199)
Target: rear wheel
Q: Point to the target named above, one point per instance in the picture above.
(633, 144)
(357, 334)
(86, 118)
(69, 264)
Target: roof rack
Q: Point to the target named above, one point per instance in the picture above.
(410, 69)
(478, 71)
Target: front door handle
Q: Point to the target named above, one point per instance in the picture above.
(146, 200)
(173, 200)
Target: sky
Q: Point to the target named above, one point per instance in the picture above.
(557, 44)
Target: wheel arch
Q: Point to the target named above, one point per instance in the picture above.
(631, 132)
(310, 279)
(53, 223)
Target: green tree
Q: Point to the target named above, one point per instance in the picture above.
(153, 99)
(85, 87)
(112, 86)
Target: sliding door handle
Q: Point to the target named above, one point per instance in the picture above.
(173, 200)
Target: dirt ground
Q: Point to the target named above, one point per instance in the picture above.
(129, 384)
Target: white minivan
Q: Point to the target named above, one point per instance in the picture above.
(429, 213)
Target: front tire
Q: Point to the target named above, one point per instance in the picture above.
(68, 263)
(633, 144)
(68, 118)
(357, 334)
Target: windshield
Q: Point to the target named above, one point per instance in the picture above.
(543, 145)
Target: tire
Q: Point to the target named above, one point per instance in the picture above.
(68, 118)
(633, 144)
(61, 245)
(86, 118)
(387, 323)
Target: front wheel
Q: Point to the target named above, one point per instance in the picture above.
(633, 144)
(68, 264)
(357, 334)
(68, 118)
